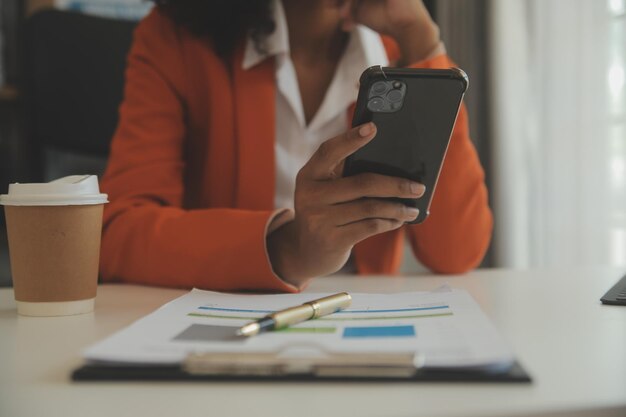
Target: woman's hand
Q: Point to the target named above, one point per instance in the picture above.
(333, 213)
(406, 21)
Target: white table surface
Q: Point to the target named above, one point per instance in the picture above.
(573, 347)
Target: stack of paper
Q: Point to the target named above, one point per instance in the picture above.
(446, 328)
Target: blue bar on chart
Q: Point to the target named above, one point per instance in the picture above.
(379, 331)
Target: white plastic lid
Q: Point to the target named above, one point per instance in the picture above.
(66, 191)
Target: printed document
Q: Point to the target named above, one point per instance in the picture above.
(446, 327)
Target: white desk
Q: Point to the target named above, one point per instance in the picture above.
(573, 347)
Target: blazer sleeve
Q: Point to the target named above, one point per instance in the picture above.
(456, 234)
(148, 237)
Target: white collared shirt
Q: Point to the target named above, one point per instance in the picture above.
(295, 140)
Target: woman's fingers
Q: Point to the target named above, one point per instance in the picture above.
(353, 233)
(323, 163)
(371, 208)
(364, 185)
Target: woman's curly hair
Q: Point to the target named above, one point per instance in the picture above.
(223, 21)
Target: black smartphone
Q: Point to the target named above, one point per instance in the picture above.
(414, 111)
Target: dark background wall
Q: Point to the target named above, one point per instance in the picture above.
(464, 29)
(11, 17)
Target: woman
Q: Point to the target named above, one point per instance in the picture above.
(221, 175)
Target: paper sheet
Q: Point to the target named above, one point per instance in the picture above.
(446, 327)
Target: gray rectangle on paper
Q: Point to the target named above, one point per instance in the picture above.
(209, 333)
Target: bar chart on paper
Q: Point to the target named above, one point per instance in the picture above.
(325, 324)
(447, 327)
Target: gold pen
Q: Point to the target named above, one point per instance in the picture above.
(293, 315)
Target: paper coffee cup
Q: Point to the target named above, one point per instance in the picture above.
(54, 232)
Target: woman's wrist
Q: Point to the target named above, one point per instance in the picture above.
(281, 249)
(417, 41)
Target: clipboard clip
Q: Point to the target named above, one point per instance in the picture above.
(334, 365)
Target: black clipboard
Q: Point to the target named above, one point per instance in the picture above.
(353, 368)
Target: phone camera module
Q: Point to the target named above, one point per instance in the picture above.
(386, 96)
(376, 104)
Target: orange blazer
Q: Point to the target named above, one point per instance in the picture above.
(191, 176)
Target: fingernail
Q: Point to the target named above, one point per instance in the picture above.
(366, 130)
(417, 189)
(412, 212)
